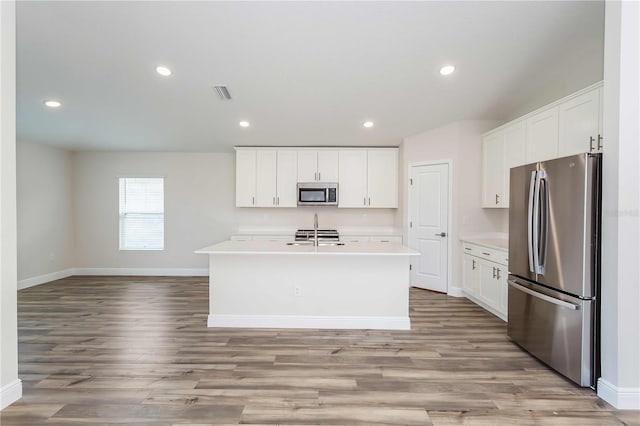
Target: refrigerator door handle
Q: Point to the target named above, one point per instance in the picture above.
(530, 221)
(543, 206)
(544, 297)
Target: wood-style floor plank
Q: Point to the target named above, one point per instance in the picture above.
(136, 350)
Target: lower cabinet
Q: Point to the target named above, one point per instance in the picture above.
(484, 281)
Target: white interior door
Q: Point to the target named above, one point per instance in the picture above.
(429, 226)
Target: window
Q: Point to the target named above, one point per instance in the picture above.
(141, 213)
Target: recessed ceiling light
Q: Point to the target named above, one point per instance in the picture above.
(447, 69)
(51, 103)
(163, 71)
(368, 124)
(244, 123)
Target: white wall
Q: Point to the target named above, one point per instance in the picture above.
(10, 387)
(460, 142)
(45, 214)
(620, 379)
(199, 206)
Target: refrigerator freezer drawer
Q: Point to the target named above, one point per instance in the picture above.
(555, 328)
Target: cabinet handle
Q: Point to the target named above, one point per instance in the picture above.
(274, 201)
(369, 200)
(365, 201)
(599, 142)
(253, 200)
(486, 254)
(497, 198)
(498, 273)
(494, 272)
(467, 248)
(315, 176)
(277, 201)
(591, 140)
(473, 264)
(319, 176)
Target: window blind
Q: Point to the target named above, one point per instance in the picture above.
(141, 213)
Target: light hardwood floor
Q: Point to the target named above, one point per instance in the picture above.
(136, 350)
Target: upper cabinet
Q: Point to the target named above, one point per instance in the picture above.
(368, 178)
(268, 177)
(317, 165)
(568, 126)
(501, 150)
(542, 136)
(580, 126)
(246, 178)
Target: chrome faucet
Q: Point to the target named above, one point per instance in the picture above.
(315, 229)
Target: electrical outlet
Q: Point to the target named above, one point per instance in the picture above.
(296, 291)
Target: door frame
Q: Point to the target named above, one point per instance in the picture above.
(449, 163)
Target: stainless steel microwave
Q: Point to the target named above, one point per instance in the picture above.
(317, 194)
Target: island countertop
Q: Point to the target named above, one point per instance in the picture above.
(280, 247)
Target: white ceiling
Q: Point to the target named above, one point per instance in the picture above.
(304, 73)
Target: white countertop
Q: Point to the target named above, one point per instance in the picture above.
(493, 243)
(280, 247)
(354, 231)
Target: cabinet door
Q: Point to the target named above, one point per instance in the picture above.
(307, 166)
(578, 122)
(245, 178)
(501, 278)
(382, 178)
(287, 177)
(328, 166)
(266, 178)
(542, 136)
(470, 274)
(352, 178)
(515, 137)
(489, 285)
(493, 170)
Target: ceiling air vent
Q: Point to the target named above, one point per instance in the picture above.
(223, 92)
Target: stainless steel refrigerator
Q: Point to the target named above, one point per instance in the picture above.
(554, 263)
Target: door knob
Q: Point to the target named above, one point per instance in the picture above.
(442, 234)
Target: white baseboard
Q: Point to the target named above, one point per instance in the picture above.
(308, 321)
(455, 292)
(10, 393)
(620, 398)
(41, 279)
(168, 272)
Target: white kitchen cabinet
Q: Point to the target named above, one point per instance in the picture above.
(579, 124)
(501, 151)
(542, 136)
(328, 166)
(266, 178)
(287, 179)
(318, 166)
(484, 277)
(245, 178)
(368, 178)
(515, 137)
(493, 170)
(382, 178)
(352, 182)
(470, 275)
(266, 174)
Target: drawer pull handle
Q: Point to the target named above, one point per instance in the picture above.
(486, 254)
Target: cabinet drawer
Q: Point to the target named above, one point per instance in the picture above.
(498, 256)
(387, 239)
(354, 238)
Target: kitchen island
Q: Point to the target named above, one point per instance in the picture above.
(270, 284)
